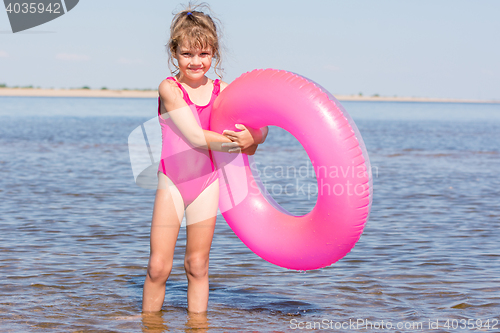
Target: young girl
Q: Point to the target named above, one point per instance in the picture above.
(187, 178)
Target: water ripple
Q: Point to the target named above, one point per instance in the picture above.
(74, 232)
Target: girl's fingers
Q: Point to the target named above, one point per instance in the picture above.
(230, 133)
(233, 133)
(230, 145)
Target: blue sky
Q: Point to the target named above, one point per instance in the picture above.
(439, 48)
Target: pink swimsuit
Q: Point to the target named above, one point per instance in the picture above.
(190, 169)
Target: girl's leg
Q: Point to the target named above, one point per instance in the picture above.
(167, 216)
(200, 219)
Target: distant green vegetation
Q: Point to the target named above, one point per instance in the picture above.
(375, 95)
(104, 88)
(85, 87)
(3, 85)
(360, 94)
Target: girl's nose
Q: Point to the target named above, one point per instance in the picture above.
(195, 60)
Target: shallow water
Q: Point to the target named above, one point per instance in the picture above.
(74, 228)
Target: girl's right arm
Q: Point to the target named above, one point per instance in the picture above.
(174, 106)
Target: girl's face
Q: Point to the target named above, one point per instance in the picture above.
(194, 63)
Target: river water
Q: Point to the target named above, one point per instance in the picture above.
(74, 227)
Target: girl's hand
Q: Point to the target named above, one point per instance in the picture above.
(232, 147)
(245, 138)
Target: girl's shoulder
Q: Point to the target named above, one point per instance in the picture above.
(223, 85)
(169, 90)
(171, 96)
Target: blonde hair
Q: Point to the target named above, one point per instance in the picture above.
(193, 28)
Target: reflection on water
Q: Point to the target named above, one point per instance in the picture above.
(197, 322)
(154, 322)
(74, 228)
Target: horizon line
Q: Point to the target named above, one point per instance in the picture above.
(153, 93)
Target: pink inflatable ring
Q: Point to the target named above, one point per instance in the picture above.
(331, 139)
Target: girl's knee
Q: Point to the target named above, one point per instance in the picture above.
(196, 266)
(159, 269)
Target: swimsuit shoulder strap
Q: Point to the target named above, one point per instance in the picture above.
(215, 92)
(216, 87)
(184, 92)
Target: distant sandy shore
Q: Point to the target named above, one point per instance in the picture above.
(78, 93)
(154, 94)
